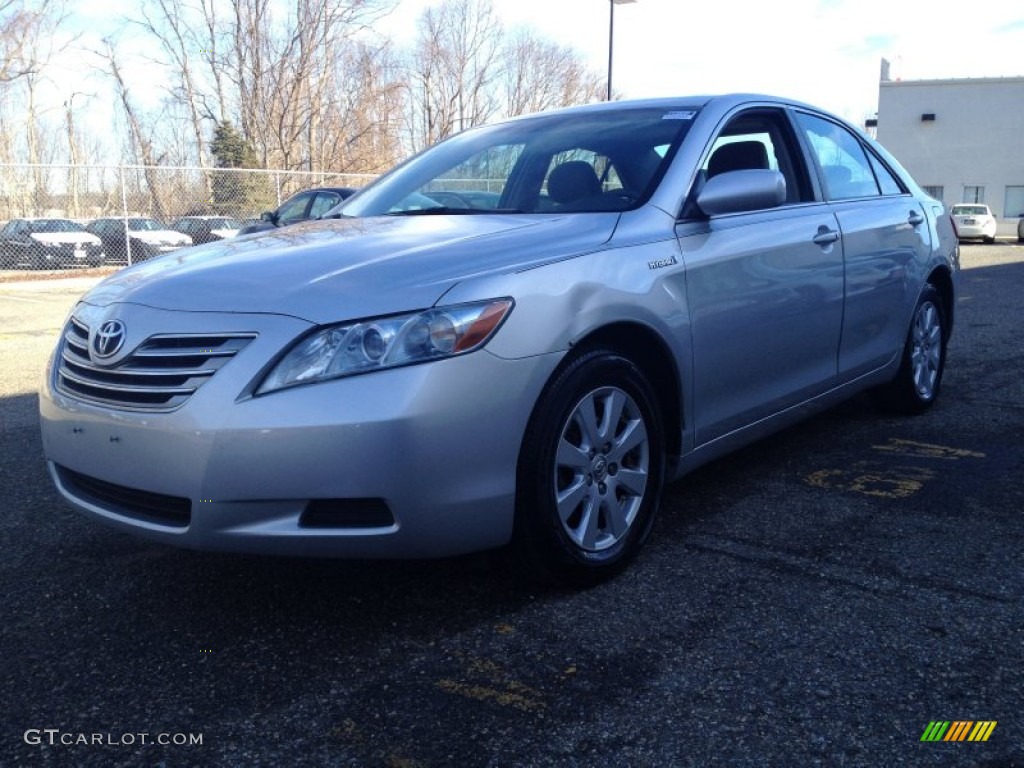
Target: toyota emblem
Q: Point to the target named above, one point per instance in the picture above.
(109, 339)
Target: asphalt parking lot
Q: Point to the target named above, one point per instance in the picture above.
(819, 598)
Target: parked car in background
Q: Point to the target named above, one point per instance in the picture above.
(306, 205)
(136, 237)
(661, 282)
(48, 244)
(207, 229)
(974, 221)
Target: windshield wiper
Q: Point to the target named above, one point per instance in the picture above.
(444, 209)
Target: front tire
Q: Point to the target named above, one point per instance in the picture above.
(916, 386)
(591, 471)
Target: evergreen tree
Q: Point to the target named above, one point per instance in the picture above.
(236, 193)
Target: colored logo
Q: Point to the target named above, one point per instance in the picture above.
(958, 730)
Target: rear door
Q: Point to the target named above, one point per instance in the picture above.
(885, 237)
(764, 289)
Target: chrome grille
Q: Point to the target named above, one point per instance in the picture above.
(161, 374)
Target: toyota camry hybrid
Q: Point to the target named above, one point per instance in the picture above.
(645, 286)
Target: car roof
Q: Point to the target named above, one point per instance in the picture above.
(127, 218)
(723, 101)
(340, 190)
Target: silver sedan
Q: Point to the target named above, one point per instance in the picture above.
(644, 286)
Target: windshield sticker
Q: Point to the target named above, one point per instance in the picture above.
(679, 114)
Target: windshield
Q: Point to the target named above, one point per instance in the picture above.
(144, 225)
(581, 162)
(970, 210)
(56, 225)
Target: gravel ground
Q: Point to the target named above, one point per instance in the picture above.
(815, 599)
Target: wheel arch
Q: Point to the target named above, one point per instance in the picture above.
(651, 354)
(942, 279)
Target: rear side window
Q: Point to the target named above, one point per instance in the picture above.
(846, 171)
(887, 182)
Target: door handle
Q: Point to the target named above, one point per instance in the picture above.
(915, 218)
(825, 236)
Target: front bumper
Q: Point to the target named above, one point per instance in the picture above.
(435, 445)
(71, 255)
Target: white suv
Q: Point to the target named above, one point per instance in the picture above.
(974, 220)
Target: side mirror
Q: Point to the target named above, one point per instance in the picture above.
(269, 216)
(740, 191)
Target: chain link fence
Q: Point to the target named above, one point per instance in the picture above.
(59, 216)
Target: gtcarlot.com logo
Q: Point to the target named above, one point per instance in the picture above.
(56, 737)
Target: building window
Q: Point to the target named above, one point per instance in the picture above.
(1014, 202)
(935, 192)
(973, 194)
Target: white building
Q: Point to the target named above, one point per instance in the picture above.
(962, 140)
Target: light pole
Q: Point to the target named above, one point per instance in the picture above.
(611, 38)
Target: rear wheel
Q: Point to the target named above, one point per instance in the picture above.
(590, 472)
(916, 386)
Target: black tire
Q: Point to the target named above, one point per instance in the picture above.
(916, 385)
(612, 477)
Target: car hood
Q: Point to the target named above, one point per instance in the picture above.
(65, 238)
(327, 271)
(160, 236)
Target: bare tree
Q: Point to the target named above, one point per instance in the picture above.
(541, 74)
(19, 27)
(167, 22)
(358, 122)
(456, 60)
(465, 69)
(139, 135)
(294, 78)
(300, 92)
(28, 41)
(74, 155)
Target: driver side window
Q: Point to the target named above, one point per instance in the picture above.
(294, 208)
(759, 139)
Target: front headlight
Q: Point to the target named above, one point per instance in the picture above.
(386, 342)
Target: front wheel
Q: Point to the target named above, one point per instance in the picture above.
(591, 471)
(916, 385)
